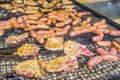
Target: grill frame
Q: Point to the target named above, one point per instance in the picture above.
(82, 73)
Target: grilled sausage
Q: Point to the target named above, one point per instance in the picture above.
(106, 31)
(97, 38)
(78, 32)
(116, 45)
(3, 23)
(109, 57)
(92, 28)
(89, 19)
(13, 23)
(104, 43)
(84, 23)
(86, 31)
(65, 30)
(60, 18)
(97, 24)
(99, 33)
(76, 21)
(113, 51)
(32, 17)
(78, 28)
(44, 19)
(86, 13)
(103, 21)
(32, 33)
(101, 51)
(20, 19)
(22, 25)
(74, 33)
(103, 26)
(40, 32)
(1, 32)
(49, 22)
(80, 14)
(88, 25)
(30, 27)
(58, 29)
(68, 21)
(67, 27)
(25, 17)
(114, 33)
(60, 24)
(34, 22)
(39, 39)
(94, 61)
(7, 27)
(43, 26)
(60, 33)
(53, 20)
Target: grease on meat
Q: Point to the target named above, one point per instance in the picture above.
(27, 50)
(75, 48)
(17, 38)
(66, 63)
(30, 68)
(54, 43)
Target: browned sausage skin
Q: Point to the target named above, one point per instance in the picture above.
(39, 39)
(113, 51)
(116, 45)
(76, 21)
(94, 61)
(104, 43)
(42, 26)
(97, 38)
(74, 33)
(109, 57)
(104, 26)
(1, 32)
(60, 24)
(68, 21)
(115, 33)
(101, 51)
(63, 32)
(20, 19)
(32, 17)
(32, 33)
(44, 19)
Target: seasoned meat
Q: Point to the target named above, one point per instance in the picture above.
(54, 43)
(17, 39)
(66, 63)
(30, 68)
(27, 50)
(75, 48)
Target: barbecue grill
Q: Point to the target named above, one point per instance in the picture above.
(106, 70)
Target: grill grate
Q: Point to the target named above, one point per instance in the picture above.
(103, 71)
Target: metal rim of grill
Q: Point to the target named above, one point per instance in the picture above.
(106, 70)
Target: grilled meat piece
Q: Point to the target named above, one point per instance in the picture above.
(66, 63)
(27, 50)
(31, 68)
(17, 39)
(75, 48)
(54, 43)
